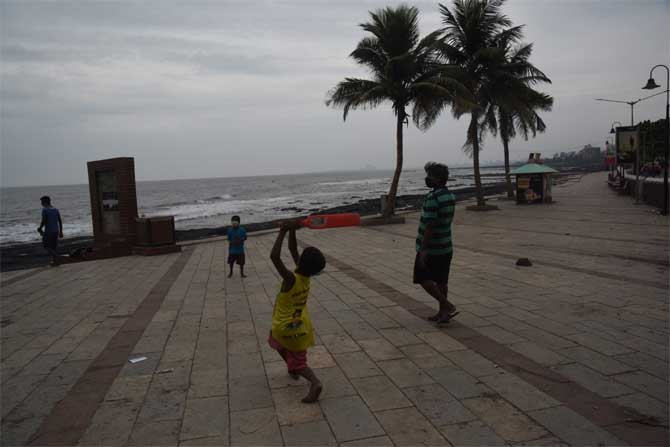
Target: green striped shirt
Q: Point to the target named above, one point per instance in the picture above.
(438, 207)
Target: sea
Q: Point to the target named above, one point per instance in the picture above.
(210, 203)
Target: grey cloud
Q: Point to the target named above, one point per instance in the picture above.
(201, 80)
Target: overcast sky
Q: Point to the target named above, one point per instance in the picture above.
(226, 88)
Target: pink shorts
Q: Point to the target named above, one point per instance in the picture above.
(294, 360)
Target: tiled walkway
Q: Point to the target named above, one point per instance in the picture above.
(570, 351)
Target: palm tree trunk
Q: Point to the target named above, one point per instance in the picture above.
(390, 202)
(474, 137)
(508, 177)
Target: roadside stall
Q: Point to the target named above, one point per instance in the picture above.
(533, 183)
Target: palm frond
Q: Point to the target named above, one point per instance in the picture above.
(354, 93)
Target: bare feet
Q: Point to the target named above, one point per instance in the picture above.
(314, 393)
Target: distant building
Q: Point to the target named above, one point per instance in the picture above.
(590, 153)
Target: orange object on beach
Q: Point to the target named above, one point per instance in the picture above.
(318, 222)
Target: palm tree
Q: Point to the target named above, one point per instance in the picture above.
(404, 71)
(516, 102)
(472, 33)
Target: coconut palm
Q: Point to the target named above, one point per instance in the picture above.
(404, 72)
(472, 34)
(515, 105)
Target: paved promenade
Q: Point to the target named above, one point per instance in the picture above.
(571, 351)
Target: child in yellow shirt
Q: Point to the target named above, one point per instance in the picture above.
(292, 331)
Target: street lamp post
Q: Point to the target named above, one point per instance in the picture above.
(651, 84)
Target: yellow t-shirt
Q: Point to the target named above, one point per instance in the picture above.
(291, 325)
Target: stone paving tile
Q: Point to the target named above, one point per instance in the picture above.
(646, 383)
(473, 363)
(379, 393)
(380, 349)
(500, 335)
(310, 434)
(406, 426)
(335, 383)
(208, 383)
(357, 364)
(111, 425)
(404, 373)
(19, 432)
(255, 427)
(546, 339)
(594, 381)
(521, 394)
(458, 383)
(339, 343)
(594, 360)
(360, 330)
(290, 408)
(537, 353)
(248, 393)
(164, 404)
(473, 433)
(440, 341)
(128, 389)
(440, 407)
(645, 405)
(425, 357)
(573, 428)
(400, 336)
(379, 321)
(645, 362)
(350, 418)
(319, 357)
(599, 344)
(205, 417)
(163, 433)
(383, 441)
(244, 365)
(506, 421)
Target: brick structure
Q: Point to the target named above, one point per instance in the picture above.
(113, 204)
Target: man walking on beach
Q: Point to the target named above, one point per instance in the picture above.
(51, 228)
(433, 243)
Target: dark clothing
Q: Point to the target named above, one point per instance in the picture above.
(50, 217)
(50, 241)
(438, 208)
(233, 258)
(436, 269)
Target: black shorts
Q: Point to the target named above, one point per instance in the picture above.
(232, 259)
(436, 269)
(50, 241)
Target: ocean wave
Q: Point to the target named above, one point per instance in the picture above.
(195, 201)
(27, 232)
(204, 210)
(369, 181)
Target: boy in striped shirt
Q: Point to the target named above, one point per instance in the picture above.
(433, 243)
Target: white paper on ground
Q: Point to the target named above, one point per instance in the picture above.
(137, 359)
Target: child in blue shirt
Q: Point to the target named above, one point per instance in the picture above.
(236, 237)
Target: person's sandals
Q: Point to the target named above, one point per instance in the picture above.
(445, 321)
